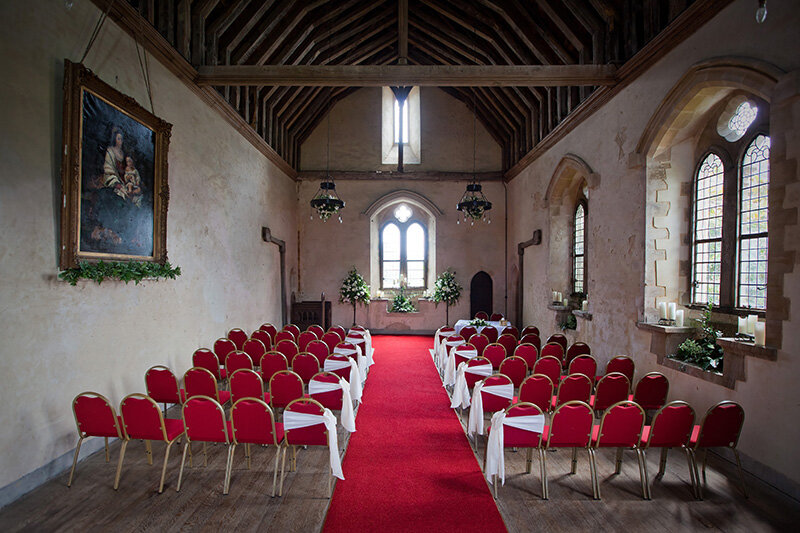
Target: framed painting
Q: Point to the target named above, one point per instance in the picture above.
(114, 175)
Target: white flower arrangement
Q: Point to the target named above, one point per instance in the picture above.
(446, 289)
(354, 289)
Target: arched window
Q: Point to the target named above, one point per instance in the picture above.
(403, 250)
(579, 249)
(753, 239)
(707, 234)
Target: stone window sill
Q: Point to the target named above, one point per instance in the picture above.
(664, 329)
(558, 308)
(586, 315)
(744, 348)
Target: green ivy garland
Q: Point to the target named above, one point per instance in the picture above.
(125, 271)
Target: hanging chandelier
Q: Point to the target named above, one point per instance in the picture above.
(474, 204)
(326, 201)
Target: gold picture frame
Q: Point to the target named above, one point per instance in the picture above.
(114, 186)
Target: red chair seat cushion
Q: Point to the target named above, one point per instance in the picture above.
(223, 374)
(645, 436)
(279, 432)
(595, 434)
(183, 395)
(695, 436)
(519, 438)
(174, 427)
(266, 397)
(224, 396)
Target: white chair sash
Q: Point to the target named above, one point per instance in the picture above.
(460, 395)
(505, 390)
(319, 387)
(360, 359)
(295, 420)
(450, 367)
(480, 370)
(332, 365)
(442, 359)
(495, 460)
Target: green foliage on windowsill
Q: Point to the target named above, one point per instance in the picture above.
(703, 351)
(125, 271)
(402, 303)
(570, 322)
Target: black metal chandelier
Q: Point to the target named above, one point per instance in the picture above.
(474, 204)
(326, 201)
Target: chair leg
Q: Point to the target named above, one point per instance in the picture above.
(593, 473)
(108, 458)
(643, 474)
(494, 485)
(183, 462)
(741, 473)
(692, 473)
(705, 457)
(205, 454)
(618, 463)
(283, 470)
(75, 460)
(294, 459)
(247, 454)
(699, 485)
(543, 471)
(228, 467)
(574, 461)
(662, 465)
(164, 468)
(528, 461)
(119, 463)
(275, 474)
(148, 451)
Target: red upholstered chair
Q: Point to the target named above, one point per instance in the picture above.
(471, 377)
(571, 427)
(515, 368)
(284, 387)
(519, 438)
(264, 337)
(252, 422)
(468, 331)
(584, 364)
(538, 390)
(305, 365)
(287, 347)
(205, 358)
(553, 349)
(622, 364)
(620, 428)
(493, 352)
(317, 330)
(508, 341)
(304, 338)
(255, 349)
(236, 360)
(331, 339)
(576, 349)
(528, 352)
(550, 367)
(612, 388)
(483, 315)
(511, 330)
(671, 428)
(558, 338)
(651, 391)
(142, 419)
(162, 386)
(491, 402)
(720, 428)
(465, 348)
(316, 435)
(222, 347)
(284, 334)
(272, 330)
(200, 382)
(480, 342)
(271, 363)
(343, 372)
(529, 329)
(452, 341)
(293, 328)
(339, 330)
(575, 387)
(94, 417)
(330, 399)
(530, 338)
(319, 350)
(490, 333)
(496, 317)
(238, 336)
(204, 420)
(247, 383)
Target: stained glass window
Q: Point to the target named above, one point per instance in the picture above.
(390, 257)
(707, 238)
(753, 212)
(404, 251)
(579, 249)
(744, 116)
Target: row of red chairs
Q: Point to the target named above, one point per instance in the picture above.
(494, 317)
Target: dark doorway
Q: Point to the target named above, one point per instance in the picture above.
(480, 294)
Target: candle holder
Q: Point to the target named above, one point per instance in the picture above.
(666, 322)
(746, 337)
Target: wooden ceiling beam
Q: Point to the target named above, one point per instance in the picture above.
(264, 26)
(526, 30)
(546, 7)
(272, 42)
(242, 25)
(424, 75)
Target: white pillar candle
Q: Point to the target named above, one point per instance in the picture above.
(679, 318)
(585, 305)
(751, 324)
(555, 295)
(662, 310)
(671, 308)
(558, 297)
(565, 302)
(760, 333)
(742, 325)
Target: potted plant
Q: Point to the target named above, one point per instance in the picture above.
(446, 289)
(702, 351)
(354, 290)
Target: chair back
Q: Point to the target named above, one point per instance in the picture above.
(612, 388)
(343, 372)
(246, 383)
(571, 426)
(200, 382)
(331, 338)
(304, 338)
(236, 360)
(583, 364)
(549, 366)
(530, 329)
(452, 341)
(204, 420)
(317, 330)
(162, 385)
(315, 435)
(271, 363)
(255, 349)
(264, 337)
(339, 330)
(483, 315)
(530, 338)
(238, 336)
(671, 426)
(293, 328)
(305, 365)
(205, 358)
(471, 378)
(464, 353)
(576, 349)
(538, 390)
(558, 338)
(252, 422)
(284, 334)
(519, 438)
(468, 331)
(319, 350)
(491, 402)
(652, 390)
(284, 387)
(508, 341)
(479, 341)
(222, 347)
(622, 364)
(287, 347)
(272, 330)
(490, 333)
(496, 317)
(554, 349)
(142, 419)
(493, 352)
(575, 387)
(330, 399)
(721, 426)
(95, 416)
(528, 352)
(511, 330)
(621, 426)
(515, 368)
(446, 329)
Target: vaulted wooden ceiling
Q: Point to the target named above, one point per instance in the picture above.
(439, 32)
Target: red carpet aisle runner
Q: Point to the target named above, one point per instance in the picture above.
(409, 466)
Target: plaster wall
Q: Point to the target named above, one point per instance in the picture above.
(60, 340)
(616, 230)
